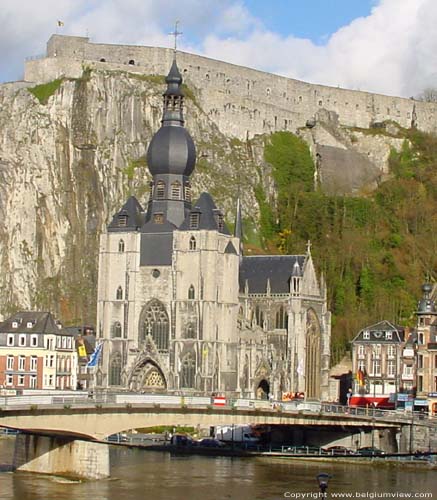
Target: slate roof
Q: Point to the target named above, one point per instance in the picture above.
(257, 269)
(377, 333)
(42, 322)
(134, 213)
(230, 249)
(208, 210)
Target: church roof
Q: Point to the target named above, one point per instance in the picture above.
(257, 269)
(230, 249)
(172, 150)
(209, 216)
(129, 218)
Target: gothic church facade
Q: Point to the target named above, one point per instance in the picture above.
(181, 309)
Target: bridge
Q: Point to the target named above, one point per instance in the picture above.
(67, 432)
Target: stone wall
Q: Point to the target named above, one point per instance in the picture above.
(242, 101)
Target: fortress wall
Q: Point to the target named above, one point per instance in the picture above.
(243, 102)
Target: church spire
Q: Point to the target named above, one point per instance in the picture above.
(238, 231)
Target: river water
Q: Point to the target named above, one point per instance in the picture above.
(142, 475)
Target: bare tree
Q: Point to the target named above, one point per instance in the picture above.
(428, 95)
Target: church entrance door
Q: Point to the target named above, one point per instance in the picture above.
(263, 389)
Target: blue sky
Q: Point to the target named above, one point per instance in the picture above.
(384, 46)
(315, 20)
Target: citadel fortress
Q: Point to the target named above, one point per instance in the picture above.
(243, 102)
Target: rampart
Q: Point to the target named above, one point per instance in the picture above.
(242, 102)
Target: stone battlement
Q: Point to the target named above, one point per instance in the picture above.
(243, 102)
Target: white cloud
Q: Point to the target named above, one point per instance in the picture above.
(390, 51)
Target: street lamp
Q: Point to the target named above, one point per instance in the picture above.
(323, 479)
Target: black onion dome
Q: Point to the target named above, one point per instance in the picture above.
(171, 151)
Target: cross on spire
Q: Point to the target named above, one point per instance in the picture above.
(176, 33)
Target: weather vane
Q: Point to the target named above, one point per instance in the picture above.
(176, 33)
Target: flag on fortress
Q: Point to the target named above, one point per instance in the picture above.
(95, 356)
(60, 23)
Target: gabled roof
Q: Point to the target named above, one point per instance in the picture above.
(257, 269)
(133, 212)
(376, 333)
(42, 322)
(208, 212)
(230, 249)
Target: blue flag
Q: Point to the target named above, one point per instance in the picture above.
(95, 356)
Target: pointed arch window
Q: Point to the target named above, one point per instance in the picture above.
(281, 318)
(176, 191)
(115, 369)
(160, 190)
(191, 293)
(121, 246)
(190, 331)
(188, 371)
(119, 294)
(154, 322)
(116, 330)
(193, 243)
(259, 316)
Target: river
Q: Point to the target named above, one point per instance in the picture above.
(142, 475)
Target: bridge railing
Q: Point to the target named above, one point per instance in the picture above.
(292, 407)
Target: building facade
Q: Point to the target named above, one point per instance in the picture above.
(181, 309)
(427, 349)
(36, 353)
(377, 363)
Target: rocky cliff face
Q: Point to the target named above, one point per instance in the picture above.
(68, 161)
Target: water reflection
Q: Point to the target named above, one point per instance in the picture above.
(138, 475)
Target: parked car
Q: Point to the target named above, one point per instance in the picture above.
(338, 450)
(369, 451)
(117, 438)
(210, 443)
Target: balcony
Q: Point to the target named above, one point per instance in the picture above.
(432, 346)
(407, 376)
(408, 353)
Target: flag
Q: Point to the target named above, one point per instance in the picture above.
(82, 351)
(60, 23)
(95, 356)
(360, 377)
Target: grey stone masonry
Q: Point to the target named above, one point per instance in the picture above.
(243, 102)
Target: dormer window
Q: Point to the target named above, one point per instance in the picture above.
(160, 190)
(187, 192)
(122, 220)
(121, 246)
(388, 335)
(194, 220)
(158, 218)
(219, 220)
(14, 324)
(176, 191)
(30, 324)
(366, 335)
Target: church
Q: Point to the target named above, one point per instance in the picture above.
(182, 310)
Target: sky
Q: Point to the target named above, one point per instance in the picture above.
(384, 46)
